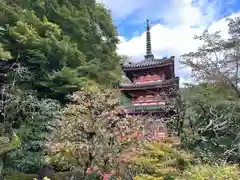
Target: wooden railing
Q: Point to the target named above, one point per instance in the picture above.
(147, 80)
(148, 102)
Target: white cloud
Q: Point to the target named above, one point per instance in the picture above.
(123, 8)
(175, 37)
(173, 12)
(170, 41)
(183, 13)
(175, 41)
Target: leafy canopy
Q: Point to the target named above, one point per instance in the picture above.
(65, 45)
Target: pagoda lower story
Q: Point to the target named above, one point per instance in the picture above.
(151, 98)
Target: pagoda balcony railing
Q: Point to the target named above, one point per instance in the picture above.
(140, 107)
(151, 106)
(148, 80)
(132, 109)
(148, 102)
(149, 84)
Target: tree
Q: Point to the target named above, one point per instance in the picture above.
(214, 105)
(234, 54)
(217, 60)
(35, 120)
(215, 132)
(234, 28)
(94, 132)
(62, 44)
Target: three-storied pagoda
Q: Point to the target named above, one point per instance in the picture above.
(153, 87)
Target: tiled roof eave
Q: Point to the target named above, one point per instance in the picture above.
(144, 65)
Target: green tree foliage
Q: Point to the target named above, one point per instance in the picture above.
(160, 160)
(14, 175)
(215, 133)
(55, 47)
(37, 118)
(89, 134)
(7, 145)
(4, 54)
(211, 172)
(214, 102)
(65, 45)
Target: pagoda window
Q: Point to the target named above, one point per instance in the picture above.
(136, 79)
(149, 98)
(134, 99)
(162, 76)
(148, 76)
(141, 78)
(140, 99)
(159, 97)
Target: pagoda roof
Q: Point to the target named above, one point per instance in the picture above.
(157, 84)
(148, 63)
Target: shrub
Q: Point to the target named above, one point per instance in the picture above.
(40, 117)
(94, 132)
(160, 160)
(203, 172)
(57, 176)
(17, 176)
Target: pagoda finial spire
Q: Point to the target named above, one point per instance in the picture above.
(148, 42)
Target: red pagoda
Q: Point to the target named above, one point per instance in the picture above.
(154, 86)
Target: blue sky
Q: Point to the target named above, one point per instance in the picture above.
(131, 24)
(173, 22)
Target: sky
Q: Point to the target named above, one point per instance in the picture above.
(173, 26)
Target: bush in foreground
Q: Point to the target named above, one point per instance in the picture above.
(203, 172)
(160, 160)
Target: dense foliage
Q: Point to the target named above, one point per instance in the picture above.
(62, 44)
(161, 160)
(214, 103)
(211, 172)
(55, 48)
(40, 118)
(216, 126)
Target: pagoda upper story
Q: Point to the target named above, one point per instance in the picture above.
(151, 80)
